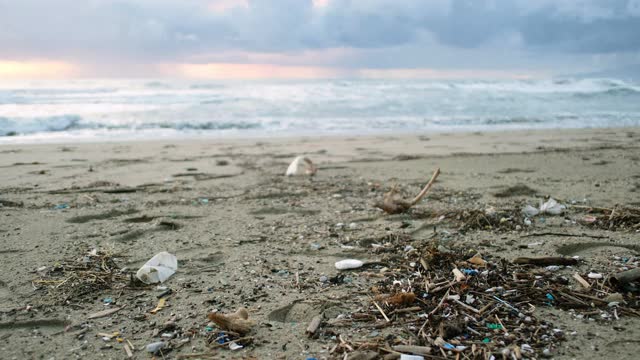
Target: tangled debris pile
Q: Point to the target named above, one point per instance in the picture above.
(617, 218)
(73, 279)
(459, 302)
(488, 219)
(434, 301)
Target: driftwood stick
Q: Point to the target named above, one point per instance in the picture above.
(104, 313)
(426, 188)
(381, 311)
(391, 205)
(582, 281)
(413, 349)
(314, 325)
(458, 274)
(626, 277)
(545, 261)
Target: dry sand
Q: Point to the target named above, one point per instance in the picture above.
(242, 231)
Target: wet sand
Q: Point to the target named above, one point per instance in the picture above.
(247, 236)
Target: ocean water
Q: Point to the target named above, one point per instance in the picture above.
(91, 110)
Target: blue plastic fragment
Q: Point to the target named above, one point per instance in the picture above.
(470, 271)
(61, 206)
(551, 299)
(222, 338)
(448, 346)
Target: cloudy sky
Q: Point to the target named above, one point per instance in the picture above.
(316, 38)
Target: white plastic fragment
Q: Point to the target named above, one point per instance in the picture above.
(234, 346)
(593, 275)
(158, 269)
(156, 346)
(301, 165)
(530, 211)
(551, 207)
(411, 357)
(349, 264)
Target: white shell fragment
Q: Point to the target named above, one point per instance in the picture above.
(349, 264)
(158, 269)
(301, 165)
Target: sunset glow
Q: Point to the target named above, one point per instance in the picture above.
(251, 71)
(35, 69)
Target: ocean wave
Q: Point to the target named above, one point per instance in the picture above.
(22, 126)
(174, 107)
(10, 127)
(209, 125)
(494, 121)
(576, 86)
(206, 86)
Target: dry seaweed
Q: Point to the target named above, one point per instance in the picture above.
(489, 311)
(618, 218)
(76, 278)
(488, 219)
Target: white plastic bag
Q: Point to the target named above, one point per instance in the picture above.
(530, 211)
(552, 207)
(158, 269)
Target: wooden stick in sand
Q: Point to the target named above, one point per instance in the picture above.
(381, 311)
(582, 281)
(626, 277)
(314, 325)
(545, 261)
(391, 205)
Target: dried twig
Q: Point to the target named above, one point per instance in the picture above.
(391, 205)
(545, 261)
(381, 311)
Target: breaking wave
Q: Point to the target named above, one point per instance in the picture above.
(86, 108)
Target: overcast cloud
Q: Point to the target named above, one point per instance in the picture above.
(512, 34)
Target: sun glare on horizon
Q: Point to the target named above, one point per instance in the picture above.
(35, 70)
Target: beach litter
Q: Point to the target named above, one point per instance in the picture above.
(81, 276)
(616, 218)
(551, 207)
(158, 269)
(301, 165)
(478, 306)
(348, 264)
(156, 347)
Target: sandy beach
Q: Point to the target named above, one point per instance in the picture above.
(247, 236)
